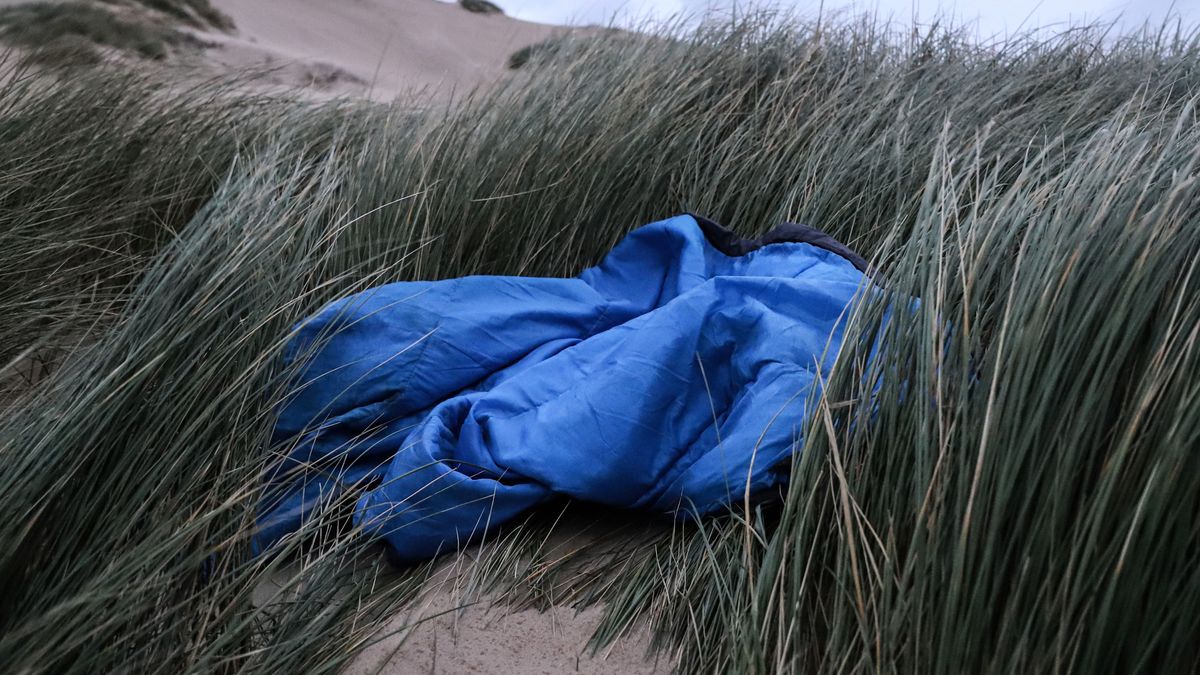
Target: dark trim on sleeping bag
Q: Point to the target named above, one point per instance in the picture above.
(730, 243)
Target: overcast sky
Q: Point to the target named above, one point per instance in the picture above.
(991, 17)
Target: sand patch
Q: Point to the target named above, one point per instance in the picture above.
(378, 49)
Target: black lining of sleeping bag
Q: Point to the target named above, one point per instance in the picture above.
(728, 242)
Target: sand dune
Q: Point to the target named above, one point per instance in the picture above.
(379, 48)
(375, 48)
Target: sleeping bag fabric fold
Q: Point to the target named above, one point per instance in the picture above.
(672, 377)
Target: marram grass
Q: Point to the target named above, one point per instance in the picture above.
(1011, 485)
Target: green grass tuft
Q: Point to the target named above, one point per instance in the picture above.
(480, 6)
(199, 13)
(535, 52)
(71, 33)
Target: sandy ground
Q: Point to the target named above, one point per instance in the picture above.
(450, 628)
(374, 48)
(489, 639)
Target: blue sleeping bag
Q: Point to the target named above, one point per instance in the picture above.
(672, 377)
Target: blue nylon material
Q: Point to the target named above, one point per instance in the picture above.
(671, 378)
